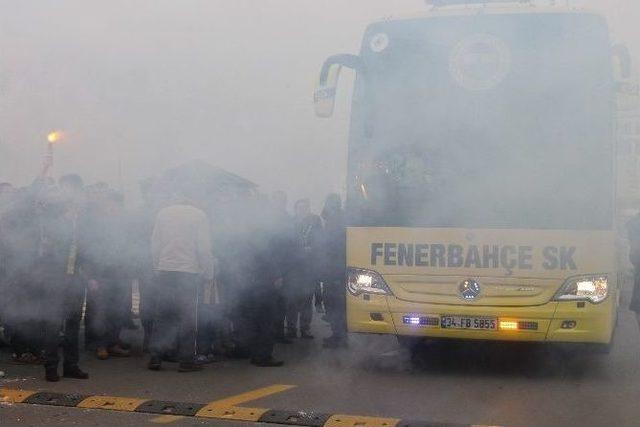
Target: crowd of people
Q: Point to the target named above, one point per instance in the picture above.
(211, 286)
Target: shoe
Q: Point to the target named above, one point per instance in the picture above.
(27, 359)
(118, 351)
(334, 342)
(305, 335)
(154, 364)
(102, 353)
(267, 363)
(201, 359)
(51, 375)
(75, 373)
(189, 367)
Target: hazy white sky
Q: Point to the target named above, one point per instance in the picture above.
(152, 83)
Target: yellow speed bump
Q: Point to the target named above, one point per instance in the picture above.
(226, 408)
(231, 413)
(111, 403)
(357, 421)
(15, 396)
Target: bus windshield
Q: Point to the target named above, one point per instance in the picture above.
(484, 121)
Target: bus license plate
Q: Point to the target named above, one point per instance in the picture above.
(469, 322)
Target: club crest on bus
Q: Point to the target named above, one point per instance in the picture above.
(480, 62)
(469, 289)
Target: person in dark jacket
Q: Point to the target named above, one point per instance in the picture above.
(284, 247)
(20, 235)
(141, 230)
(56, 271)
(335, 240)
(108, 267)
(257, 305)
(305, 273)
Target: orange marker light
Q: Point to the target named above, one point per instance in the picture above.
(508, 325)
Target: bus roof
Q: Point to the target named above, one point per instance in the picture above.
(491, 9)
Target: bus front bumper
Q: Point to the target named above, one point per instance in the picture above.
(568, 322)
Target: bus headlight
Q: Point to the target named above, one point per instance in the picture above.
(361, 281)
(584, 288)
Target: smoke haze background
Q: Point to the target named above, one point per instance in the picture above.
(141, 86)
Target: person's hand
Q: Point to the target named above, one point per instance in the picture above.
(93, 284)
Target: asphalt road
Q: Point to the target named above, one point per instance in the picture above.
(476, 383)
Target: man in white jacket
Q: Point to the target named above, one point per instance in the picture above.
(182, 260)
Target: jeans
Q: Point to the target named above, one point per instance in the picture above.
(175, 317)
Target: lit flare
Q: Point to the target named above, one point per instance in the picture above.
(54, 137)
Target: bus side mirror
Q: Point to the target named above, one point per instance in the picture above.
(324, 97)
(622, 64)
(626, 87)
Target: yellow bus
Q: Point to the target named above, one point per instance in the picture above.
(484, 192)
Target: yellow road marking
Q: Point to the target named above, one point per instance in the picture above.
(15, 396)
(166, 419)
(111, 403)
(339, 420)
(251, 395)
(227, 408)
